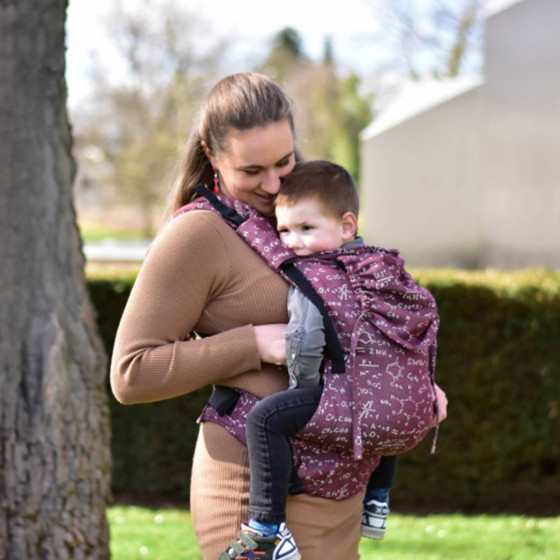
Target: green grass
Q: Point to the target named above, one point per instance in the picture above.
(166, 534)
(122, 271)
(138, 533)
(92, 232)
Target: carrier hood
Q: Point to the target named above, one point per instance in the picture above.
(389, 298)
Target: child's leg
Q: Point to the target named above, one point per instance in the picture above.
(269, 425)
(376, 500)
(382, 479)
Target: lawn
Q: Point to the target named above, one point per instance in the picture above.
(165, 534)
(92, 231)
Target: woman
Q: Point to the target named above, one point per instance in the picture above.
(200, 276)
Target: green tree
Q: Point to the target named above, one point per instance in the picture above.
(339, 112)
(330, 108)
(286, 55)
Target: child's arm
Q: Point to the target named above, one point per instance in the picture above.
(305, 341)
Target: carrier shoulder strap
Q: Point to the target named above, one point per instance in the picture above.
(290, 271)
(296, 276)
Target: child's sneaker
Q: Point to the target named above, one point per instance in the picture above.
(374, 519)
(250, 543)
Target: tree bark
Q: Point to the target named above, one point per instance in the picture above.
(54, 425)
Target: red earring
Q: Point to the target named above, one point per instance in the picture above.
(216, 181)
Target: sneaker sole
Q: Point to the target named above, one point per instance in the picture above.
(372, 533)
(295, 555)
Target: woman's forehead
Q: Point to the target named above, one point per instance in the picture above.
(266, 144)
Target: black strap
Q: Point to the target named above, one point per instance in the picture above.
(229, 214)
(332, 342)
(223, 399)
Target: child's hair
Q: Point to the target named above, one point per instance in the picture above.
(326, 182)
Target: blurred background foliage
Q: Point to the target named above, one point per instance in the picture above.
(130, 135)
(498, 347)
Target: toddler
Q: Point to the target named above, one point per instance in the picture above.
(316, 210)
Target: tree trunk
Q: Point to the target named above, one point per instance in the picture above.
(54, 424)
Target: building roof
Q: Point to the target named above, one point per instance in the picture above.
(415, 98)
(494, 6)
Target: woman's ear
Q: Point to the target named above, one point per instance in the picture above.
(208, 152)
(349, 225)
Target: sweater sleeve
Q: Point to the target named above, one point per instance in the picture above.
(154, 358)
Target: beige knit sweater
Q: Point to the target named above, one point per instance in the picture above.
(199, 275)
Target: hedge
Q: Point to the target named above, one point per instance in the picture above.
(498, 361)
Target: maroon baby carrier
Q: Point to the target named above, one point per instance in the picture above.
(378, 397)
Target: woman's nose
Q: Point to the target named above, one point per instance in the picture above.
(271, 182)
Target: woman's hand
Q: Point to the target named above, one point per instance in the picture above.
(271, 342)
(441, 400)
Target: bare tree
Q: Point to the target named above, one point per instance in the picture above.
(463, 25)
(54, 432)
(438, 37)
(141, 123)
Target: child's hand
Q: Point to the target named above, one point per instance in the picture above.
(441, 400)
(271, 341)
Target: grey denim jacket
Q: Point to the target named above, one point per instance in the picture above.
(305, 336)
(305, 340)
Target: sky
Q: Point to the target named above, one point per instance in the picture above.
(354, 26)
(351, 24)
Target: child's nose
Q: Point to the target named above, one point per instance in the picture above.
(294, 241)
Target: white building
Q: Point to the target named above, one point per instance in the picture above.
(467, 172)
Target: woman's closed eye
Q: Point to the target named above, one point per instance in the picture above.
(256, 170)
(284, 162)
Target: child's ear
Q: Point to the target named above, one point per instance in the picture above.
(349, 224)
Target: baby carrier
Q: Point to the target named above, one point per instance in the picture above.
(380, 327)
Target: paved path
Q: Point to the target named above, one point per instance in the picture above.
(110, 250)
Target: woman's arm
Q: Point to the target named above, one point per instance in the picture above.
(154, 357)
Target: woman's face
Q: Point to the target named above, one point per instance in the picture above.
(254, 162)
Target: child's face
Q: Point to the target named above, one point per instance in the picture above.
(305, 228)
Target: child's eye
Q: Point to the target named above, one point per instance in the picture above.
(251, 171)
(307, 228)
